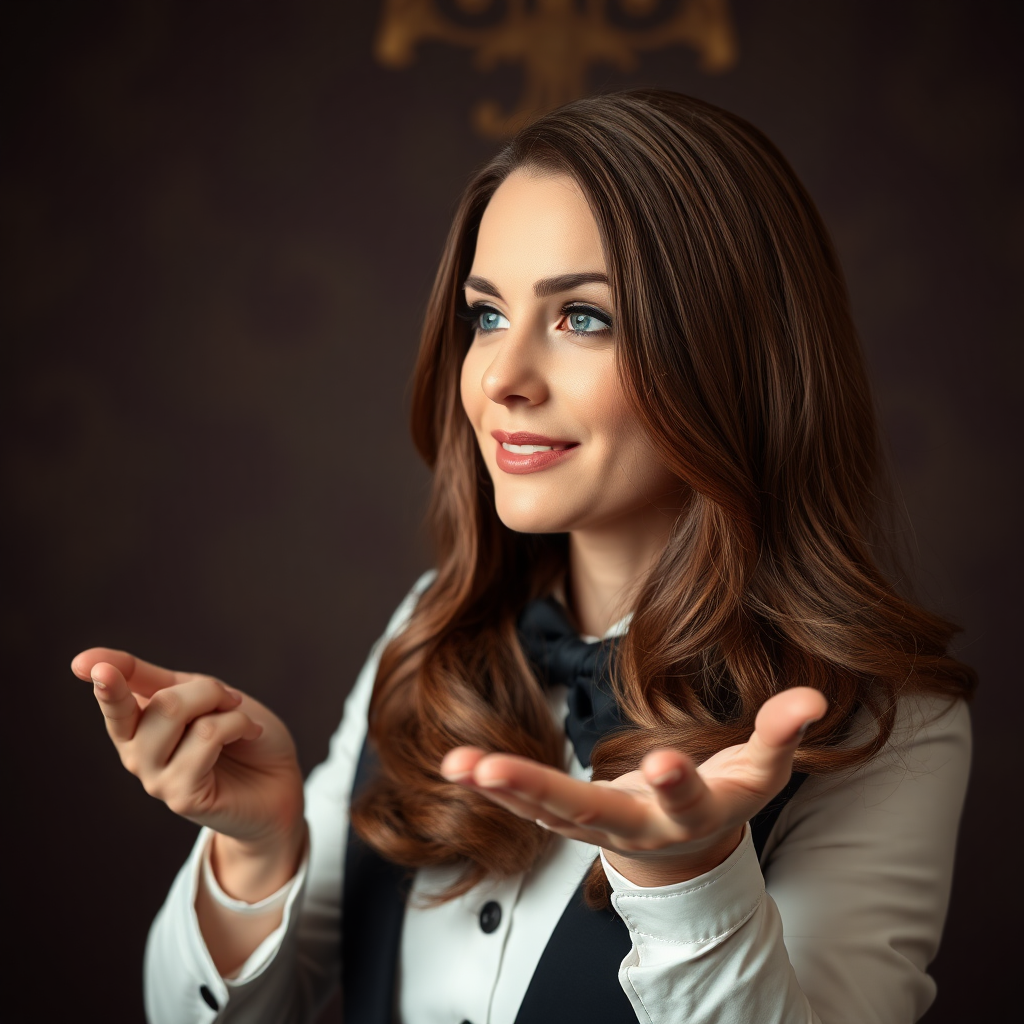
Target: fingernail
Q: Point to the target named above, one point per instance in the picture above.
(232, 693)
(537, 821)
(668, 778)
(803, 728)
(456, 776)
(97, 685)
(494, 784)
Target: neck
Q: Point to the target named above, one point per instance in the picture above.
(607, 567)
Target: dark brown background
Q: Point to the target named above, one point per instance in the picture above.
(221, 224)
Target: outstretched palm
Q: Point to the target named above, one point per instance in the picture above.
(667, 821)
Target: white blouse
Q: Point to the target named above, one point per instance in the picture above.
(836, 925)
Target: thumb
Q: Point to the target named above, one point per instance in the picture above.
(780, 726)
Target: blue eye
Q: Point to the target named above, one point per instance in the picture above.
(584, 320)
(491, 320)
(483, 318)
(584, 323)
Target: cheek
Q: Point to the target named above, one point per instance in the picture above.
(597, 397)
(627, 440)
(469, 389)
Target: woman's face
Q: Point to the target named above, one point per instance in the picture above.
(539, 382)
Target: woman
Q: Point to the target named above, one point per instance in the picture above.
(657, 516)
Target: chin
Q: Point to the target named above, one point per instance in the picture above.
(531, 515)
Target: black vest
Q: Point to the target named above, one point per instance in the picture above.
(576, 980)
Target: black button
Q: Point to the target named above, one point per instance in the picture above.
(208, 997)
(490, 916)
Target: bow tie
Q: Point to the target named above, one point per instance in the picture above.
(558, 655)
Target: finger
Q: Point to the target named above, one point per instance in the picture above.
(170, 712)
(141, 677)
(458, 764)
(678, 786)
(535, 812)
(780, 726)
(118, 704)
(551, 792)
(186, 777)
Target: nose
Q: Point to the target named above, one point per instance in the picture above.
(515, 375)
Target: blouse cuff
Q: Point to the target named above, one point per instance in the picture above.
(698, 913)
(274, 901)
(284, 899)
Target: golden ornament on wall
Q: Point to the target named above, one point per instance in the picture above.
(556, 42)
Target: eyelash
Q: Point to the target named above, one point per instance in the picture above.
(471, 314)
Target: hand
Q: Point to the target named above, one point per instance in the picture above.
(668, 821)
(212, 754)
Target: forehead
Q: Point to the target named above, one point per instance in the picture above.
(537, 225)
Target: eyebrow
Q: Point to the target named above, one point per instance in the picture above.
(544, 287)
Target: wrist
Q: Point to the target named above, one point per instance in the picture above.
(251, 870)
(651, 870)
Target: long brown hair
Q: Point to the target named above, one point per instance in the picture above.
(738, 352)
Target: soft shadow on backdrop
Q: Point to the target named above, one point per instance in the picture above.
(221, 223)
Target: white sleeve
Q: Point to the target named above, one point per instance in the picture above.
(296, 968)
(858, 876)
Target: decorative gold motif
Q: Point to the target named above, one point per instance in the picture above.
(556, 40)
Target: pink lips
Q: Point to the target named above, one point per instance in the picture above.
(511, 462)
